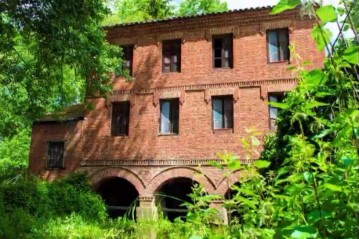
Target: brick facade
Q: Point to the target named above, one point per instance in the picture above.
(147, 159)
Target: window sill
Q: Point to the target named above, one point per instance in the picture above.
(223, 69)
(120, 135)
(171, 134)
(55, 168)
(218, 131)
(171, 72)
(278, 62)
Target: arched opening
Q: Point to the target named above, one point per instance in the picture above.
(120, 196)
(172, 194)
(233, 211)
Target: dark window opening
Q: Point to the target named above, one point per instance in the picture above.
(222, 112)
(222, 51)
(273, 111)
(120, 197)
(127, 58)
(171, 56)
(277, 45)
(234, 211)
(172, 195)
(55, 154)
(169, 116)
(120, 118)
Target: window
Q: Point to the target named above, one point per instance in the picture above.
(127, 58)
(55, 154)
(277, 45)
(169, 116)
(222, 112)
(273, 111)
(171, 56)
(120, 118)
(222, 51)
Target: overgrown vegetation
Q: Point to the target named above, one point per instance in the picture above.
(305, 184)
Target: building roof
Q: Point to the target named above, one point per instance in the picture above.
(189, 17)
(70, 113)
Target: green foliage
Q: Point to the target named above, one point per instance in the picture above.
(30, 203)
(44, 58)
(284, 5)
(14, 153)
(193, 7)
(142, 10)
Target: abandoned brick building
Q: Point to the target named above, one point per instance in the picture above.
(197, 84)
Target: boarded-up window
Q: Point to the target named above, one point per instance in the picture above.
(120, 118)
(223, 51)
(169, 116)
(55, 154)
(171, 56)
(277, 45)
(273, 111)
(222, 112)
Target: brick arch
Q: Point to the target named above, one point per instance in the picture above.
(227, 182)
(179, 172)
(103, 174)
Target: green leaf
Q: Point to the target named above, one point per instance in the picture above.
(282, 106)
(284, 5)
(356, 133)
(234, 165)
(261, 164)
(352, 55)
(308, 176)
(321, 37)
(216, 164)
(315, 215)
(302, 232)
(313, 104)
(327, 14)
(196, 237)
(332, 187)
(314, 77)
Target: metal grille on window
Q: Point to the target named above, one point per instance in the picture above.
(55, 155)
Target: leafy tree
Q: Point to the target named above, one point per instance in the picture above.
(142, 10)
(193, 7)
(49, 52)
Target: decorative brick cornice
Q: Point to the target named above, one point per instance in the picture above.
(233, 19)
(134, 162)
(203, 87)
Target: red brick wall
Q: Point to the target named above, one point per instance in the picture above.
(89, 142)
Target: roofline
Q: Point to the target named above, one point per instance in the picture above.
(188, 17)
(59, 121)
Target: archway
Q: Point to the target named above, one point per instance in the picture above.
(120, 196)
(233, 212)
(172, 194)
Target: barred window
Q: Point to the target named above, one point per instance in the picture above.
(55, 154)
